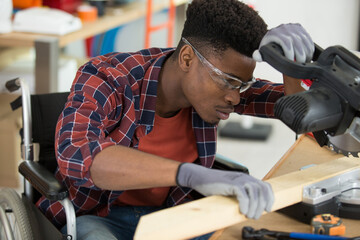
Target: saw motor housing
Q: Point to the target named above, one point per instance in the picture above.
(330, 108)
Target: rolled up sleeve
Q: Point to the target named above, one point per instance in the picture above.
(94, 108)
(80, 136)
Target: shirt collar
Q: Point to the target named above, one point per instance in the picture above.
(149, 90)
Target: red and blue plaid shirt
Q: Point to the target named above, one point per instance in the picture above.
(111, 97)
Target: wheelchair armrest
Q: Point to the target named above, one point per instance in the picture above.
(224, 163)
(43, 180)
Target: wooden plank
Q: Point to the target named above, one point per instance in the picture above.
(216, 212)
(304, 152)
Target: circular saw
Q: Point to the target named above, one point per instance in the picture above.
(330, 109)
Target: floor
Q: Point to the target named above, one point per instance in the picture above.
(257, 155)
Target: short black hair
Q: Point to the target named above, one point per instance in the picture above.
(223, 24)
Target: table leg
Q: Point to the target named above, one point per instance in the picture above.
(46, 65)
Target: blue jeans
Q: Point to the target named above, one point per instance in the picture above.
(120, 224)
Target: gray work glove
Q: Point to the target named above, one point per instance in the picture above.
(254, 196)
(293, 39)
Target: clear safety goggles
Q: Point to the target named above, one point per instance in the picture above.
(219, 76)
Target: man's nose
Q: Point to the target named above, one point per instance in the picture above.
(232, 97)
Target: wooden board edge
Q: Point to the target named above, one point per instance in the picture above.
(283, 158)
(216, 212)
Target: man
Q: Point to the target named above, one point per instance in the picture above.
(138, 132)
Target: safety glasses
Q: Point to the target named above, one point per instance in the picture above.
(219, 76)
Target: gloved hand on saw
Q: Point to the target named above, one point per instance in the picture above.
(254, 196)
(295, 42)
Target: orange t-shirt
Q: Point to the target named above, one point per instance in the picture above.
(171, 138)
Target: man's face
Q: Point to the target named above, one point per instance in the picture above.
(211, 96)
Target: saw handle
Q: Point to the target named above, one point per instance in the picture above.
(273, 54)
(327, 57)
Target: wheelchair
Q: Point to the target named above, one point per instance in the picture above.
(20, 219)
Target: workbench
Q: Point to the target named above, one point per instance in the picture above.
(47, 46)
(304, 152)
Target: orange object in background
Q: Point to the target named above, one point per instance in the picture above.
(87, 13)
(26, 3)
(149, 28)
(327, 224)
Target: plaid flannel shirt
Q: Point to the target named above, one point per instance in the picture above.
(111, 97)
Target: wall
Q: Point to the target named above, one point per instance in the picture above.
(329, 22)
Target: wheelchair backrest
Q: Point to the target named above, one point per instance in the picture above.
(45, 111)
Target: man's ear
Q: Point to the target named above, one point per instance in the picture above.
(186, 57)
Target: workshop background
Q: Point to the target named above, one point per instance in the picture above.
(329, 22)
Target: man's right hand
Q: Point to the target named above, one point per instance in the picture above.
(294, 40)
(254, 196)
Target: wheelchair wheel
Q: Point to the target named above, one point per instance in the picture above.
(15, 221)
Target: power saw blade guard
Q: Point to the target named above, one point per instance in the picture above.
(330, 108)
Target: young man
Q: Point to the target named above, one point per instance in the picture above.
(138, 132)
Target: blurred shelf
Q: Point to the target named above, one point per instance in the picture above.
(114, 17)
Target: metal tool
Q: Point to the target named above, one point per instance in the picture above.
(331, 107)
(339, 195)
(264, 234)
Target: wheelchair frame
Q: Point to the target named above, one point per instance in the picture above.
(35, 176)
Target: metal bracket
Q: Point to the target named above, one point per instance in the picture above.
(345, 187)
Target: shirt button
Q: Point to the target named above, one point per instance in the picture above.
(148, 128)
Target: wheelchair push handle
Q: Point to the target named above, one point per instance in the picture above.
(13, 84)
